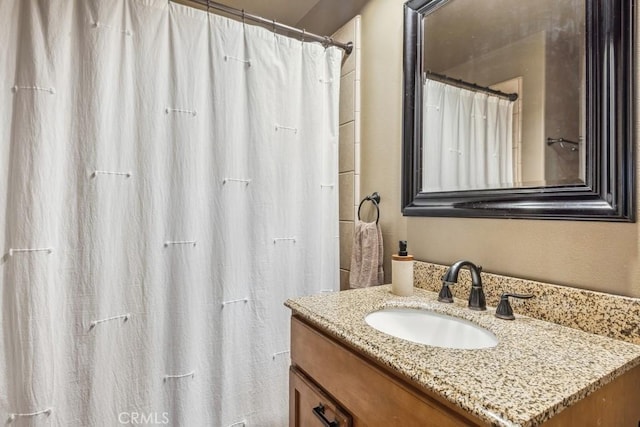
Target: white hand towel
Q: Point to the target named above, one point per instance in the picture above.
(366, 256)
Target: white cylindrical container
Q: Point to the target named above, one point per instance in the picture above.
(402, 272)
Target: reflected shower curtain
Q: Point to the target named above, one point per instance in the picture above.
(467, 139)
(168, 180)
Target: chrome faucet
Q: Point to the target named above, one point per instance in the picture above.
(476, 297)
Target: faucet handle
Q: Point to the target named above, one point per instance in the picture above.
(504, 310)
(445, 293)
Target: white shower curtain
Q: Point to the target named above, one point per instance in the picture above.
(167, 180)
(467, 139)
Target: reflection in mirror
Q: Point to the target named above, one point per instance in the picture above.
(503, 98)
(528, 109)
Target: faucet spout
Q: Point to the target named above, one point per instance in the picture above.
(476, 297)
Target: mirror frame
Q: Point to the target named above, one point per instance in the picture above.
(608, 193)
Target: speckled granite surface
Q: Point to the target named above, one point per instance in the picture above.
(537, 369)
(610, 315)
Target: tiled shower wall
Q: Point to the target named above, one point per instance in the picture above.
(349, 163)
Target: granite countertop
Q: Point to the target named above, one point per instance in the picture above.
(537, 369)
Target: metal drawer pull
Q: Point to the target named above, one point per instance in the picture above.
(319, 412)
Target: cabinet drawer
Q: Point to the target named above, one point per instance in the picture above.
(311, 407)
(371, 396)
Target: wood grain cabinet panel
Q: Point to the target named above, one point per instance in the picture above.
(371, 396)
(311, 407)
(616, 404)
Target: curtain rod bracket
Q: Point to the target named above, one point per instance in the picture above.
(348, 48)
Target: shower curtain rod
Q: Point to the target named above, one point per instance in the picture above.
(471, 86)
(327, 41)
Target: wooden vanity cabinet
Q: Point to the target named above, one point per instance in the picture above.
(355, 391)
(370, 396)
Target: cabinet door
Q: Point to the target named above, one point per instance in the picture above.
(373, 397)
(311, 407)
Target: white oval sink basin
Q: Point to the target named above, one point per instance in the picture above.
(431, 328)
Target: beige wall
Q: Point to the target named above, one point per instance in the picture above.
(381, 88)
(562, 106)
(592, 255)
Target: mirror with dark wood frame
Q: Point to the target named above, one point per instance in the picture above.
(519, 109)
